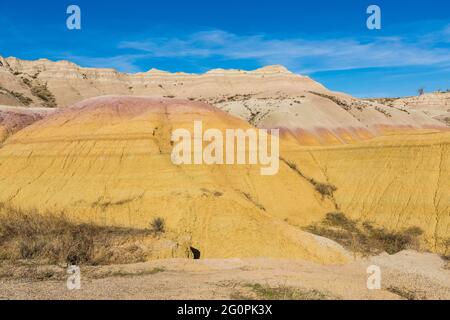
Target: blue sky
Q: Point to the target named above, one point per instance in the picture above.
(326, 40)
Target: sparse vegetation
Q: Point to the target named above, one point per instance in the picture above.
(364, 237)
(249, 197)
(381, 110)
(325, 189)
(344, 105)
(446, 254)
(158, 226)
(407, 293)
(263, 292)
(446, 120)
(27, 82)
(41, 91)
(23, 99)
(19, 96)
(125, 273)
(54, 239)
(386, 101)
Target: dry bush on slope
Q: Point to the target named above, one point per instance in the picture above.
(158, 226)
(17, 95)
(365, 238)
(42, 92)
(53, 239)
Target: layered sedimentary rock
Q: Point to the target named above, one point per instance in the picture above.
(396, 181)
(13, 119)
(314, 118)
(435, 105)
(108, 161)
(271, 97)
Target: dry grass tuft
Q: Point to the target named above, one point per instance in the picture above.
(365, 238)
(264, 292)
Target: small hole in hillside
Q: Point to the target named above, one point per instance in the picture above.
(196, 253)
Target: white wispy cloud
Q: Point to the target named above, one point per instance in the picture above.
(303, 55)
(125, 63)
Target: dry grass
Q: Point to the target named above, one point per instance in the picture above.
(54, 239)
(365, 238)
(407, 294)
(19, 96)
(264, 292)
(124, 273)
(325, 189)
(42, 92)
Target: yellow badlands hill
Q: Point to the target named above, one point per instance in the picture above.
(108, 161)
(396, 181)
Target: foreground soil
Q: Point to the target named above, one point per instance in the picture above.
(406, 275)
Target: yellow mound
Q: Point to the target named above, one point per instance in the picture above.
(107, 161)
(396, 181)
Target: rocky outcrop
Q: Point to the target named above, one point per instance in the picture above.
(270, 97)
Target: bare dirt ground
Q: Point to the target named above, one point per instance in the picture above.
(406, 275)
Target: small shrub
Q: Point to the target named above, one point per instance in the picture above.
(158, 225)
(326, 190)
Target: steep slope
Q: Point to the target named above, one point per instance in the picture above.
(270, 97)
(107, 161)
(396, 181)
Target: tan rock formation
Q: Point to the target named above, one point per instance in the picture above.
(268, 97)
